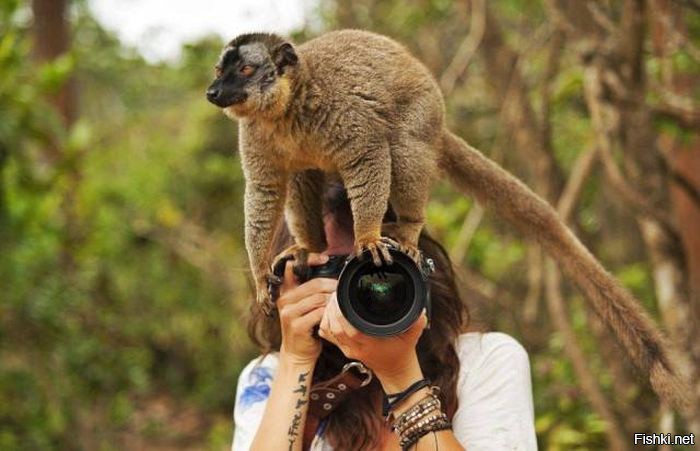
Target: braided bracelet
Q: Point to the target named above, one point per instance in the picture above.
(425, 403)
(423, 417)
(426, 408)
(435, 426)
(419, 422)
(409, 431)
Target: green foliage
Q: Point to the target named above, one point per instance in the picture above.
(101, 310)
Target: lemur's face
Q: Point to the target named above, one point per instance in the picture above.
(251, 78)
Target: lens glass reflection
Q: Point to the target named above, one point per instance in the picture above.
(381, 295)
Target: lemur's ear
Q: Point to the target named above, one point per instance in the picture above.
(283, 56)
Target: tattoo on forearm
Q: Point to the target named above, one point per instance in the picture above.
(293, 431)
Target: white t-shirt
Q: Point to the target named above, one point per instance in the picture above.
(495, 410)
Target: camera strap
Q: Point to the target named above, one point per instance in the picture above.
(325, 396)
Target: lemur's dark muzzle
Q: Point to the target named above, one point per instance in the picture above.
(213, 95)
(222, 100)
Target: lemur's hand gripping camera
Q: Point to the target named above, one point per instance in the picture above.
(377, 300)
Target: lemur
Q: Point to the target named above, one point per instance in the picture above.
(358, 106)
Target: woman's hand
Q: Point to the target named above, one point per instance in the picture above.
(392, 359)
(300, 309)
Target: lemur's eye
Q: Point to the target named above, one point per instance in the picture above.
(218, 71)
(247, 70)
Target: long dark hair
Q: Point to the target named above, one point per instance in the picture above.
(356, 424)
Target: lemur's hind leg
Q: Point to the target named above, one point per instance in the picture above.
(410, 191)
(304, 214)
(366, 174)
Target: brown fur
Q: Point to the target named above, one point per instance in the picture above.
(358, 106)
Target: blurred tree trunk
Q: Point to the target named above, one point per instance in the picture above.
(52, 39)
(664, 243)
(4, 154)
(687, 163)
(668, 33)
(51, 36)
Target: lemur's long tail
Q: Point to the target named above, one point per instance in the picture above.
(495, 188)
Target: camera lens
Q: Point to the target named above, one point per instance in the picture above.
(382, 300)
(381, 295)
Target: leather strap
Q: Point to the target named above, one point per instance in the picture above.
(325, 396)
(390, 401)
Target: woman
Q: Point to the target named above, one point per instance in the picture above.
(483, 379)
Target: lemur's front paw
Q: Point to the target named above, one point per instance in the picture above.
(404, 243)
(300, 255)
(378, 248)
(412, 252)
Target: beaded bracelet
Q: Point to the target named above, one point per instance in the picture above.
(408, 432)
(426, 410)
(423, 417)
(420, 422)
(424, 404)
(435, 426)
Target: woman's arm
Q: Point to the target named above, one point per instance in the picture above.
(392, 359)
(283, 422)
(300, 309)
(495, 396)
(400, 377)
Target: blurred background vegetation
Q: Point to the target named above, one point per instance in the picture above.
(123, 278)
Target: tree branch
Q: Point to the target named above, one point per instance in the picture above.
(555, 302)
(616, 438)
(601, 124)
(687, 186)
(466, 50)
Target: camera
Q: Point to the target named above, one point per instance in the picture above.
(377, 300)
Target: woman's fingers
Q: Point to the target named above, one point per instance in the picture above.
(412, 335)
(304, 306)
(348, 329)
(289, 280)
(317, 259)
(334, 327)
(420, 323)
(324, 330)
(313, 286)
(323, 327)
(309, 320)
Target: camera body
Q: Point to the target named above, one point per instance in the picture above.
(377, 300)
(331, 269)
